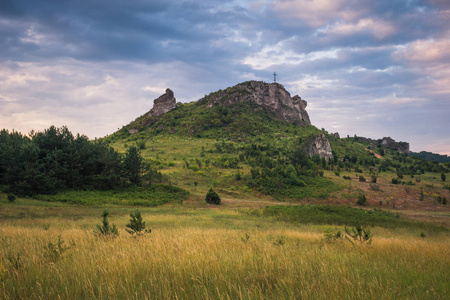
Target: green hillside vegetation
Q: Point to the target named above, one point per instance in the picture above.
(244, 151)
(431, 156)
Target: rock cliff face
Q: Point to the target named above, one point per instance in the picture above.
(270, 96)
(163, 104)
(401, 147)
(321, 146)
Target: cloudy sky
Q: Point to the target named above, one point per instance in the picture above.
(370, 68)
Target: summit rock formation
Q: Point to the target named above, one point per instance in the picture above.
(163, 104)
(270, 96)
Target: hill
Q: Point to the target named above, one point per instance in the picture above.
(431, 156)
(254, 140)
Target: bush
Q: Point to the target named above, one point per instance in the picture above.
(395, 181)
(374, 179)
(362, 179)
(361, 200)
(105, 229)
(11, 197)
(54, 251)
(375, 187)
(141, 145)
(359, 234)
(136, 225)
(212, 197)
(331, 237)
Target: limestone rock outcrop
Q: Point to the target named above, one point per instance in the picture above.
(401, 147)
(163, 104)
(386, 142)
(270, 96)
(321, 146)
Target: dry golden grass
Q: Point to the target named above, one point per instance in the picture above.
(189, 257)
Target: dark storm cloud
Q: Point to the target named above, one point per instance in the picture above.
(366, 67)
(103, 30)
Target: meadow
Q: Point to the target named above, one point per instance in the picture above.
(283, 229)
(49, 250)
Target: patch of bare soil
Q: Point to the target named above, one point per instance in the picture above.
(376, 154)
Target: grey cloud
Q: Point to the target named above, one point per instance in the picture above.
(115, 57)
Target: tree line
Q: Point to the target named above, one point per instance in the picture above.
(54, 160)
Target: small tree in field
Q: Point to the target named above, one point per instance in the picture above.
(359, 234)
(136, 225)
(212, 197)
(443, 177)
(105, 229)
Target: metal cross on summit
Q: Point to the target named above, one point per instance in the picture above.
(274, 76)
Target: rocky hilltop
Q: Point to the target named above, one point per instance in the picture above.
(270, 96)
(163, 104)
(254, 96)
(387, 143)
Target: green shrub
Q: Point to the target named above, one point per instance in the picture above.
(212, 197)
(54, 251)
(331, 237)
(141, 145)
(362, 200)
(375, 187)
(11, 197)
(362, 179)
(105, 229)
(137, 225)
(359, 234)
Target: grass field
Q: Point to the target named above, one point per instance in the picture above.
(48, 250)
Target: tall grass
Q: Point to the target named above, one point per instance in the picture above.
(192, 262)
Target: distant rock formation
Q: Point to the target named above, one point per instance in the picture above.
(401, 147)
(163, 104)
(270, 96)
(336, 135)
(386, 142)
(321, 146)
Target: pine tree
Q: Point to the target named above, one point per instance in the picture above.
(106, 229)
(136, 225)
(132, 165)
